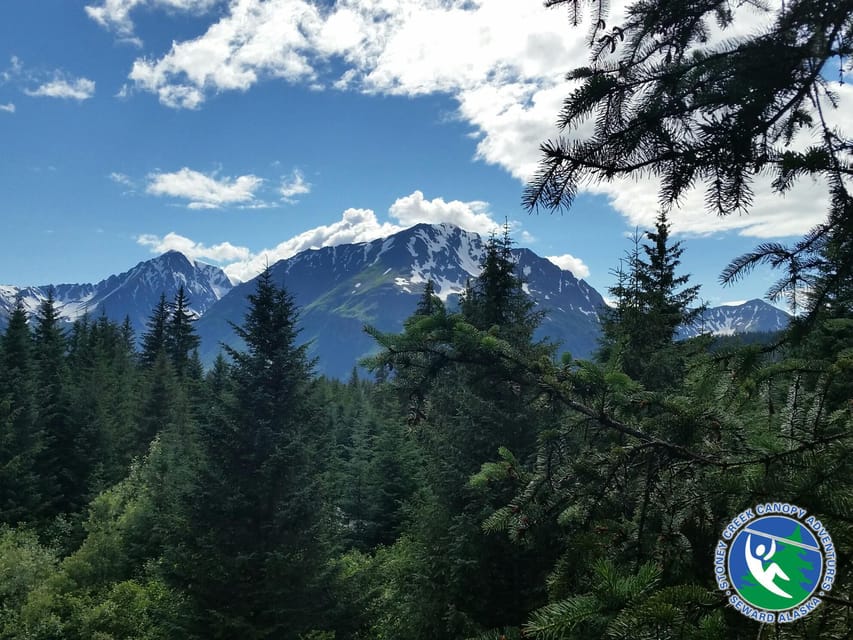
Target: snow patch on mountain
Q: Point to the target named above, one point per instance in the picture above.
(133, 293)
(730, 319)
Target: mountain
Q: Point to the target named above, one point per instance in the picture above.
(132, 293)
(340, 289)
(750, 317)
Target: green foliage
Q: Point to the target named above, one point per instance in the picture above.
(21, 441)
(180, 339)
(668, 100)
(652, 303)
(155, 338)
(251, 553)
(24, 566)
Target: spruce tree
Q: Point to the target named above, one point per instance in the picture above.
(255, 551)
(669, 304)
(467, 397)
(21, 442)
(496, 299)
(155, 338)
(652, 304)
(62, 475)
(429, 302)
(180, 338)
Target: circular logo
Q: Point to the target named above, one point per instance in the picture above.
(774, 562)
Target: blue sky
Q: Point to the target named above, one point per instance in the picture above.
(243, 131)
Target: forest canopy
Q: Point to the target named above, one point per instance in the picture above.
(464, 482)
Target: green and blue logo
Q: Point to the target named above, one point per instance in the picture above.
(775, 562)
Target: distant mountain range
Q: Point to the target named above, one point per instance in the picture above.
(749, 317)
(340, 289)
(130, 294)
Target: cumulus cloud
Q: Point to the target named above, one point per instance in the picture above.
(205, 191)
(222, 252)
(568, 262)
(255, 39)
(472, 216)
(770, 216)
(355, 225)
(503, 62)
(294, 185)
(67, 89)
(8, 108)
(115, 14)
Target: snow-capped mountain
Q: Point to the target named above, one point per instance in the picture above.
(340, 289)
(750, 317)
(133, 293)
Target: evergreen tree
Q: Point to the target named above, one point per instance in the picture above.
(652, 303)
(669, 303)
(128, 336)
(156, 338)
(496, 298)
(429, 302)
(667, 100)
(255, 554)
(103, 405)
(62, 477)
(157, 397)
(467, 397)
(180, 339)
(21, 441)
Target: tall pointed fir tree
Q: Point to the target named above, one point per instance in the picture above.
(62, 466)
(652, 303)
(254, 556)
(21, 440)
(155, 338)
(496, 300)
(180, 338)
(429, 302)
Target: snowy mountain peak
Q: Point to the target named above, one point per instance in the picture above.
(341, 288)
(748, 317)
(133, 293)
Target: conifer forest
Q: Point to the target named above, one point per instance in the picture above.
(465, 482)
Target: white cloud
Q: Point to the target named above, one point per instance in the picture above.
(13, 70)
(355, 225)
(67, 89)
(770, 216)
(205, 191)
(293, 186)
(568, 262)
(8, 108)
(503, 62)
(472, 216)
(121, 178)
(222, 252)
(255, 39)
(115, 14)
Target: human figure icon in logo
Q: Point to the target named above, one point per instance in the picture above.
(765, 576)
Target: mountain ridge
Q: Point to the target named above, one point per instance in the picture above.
(341, 288)
(132, 293)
